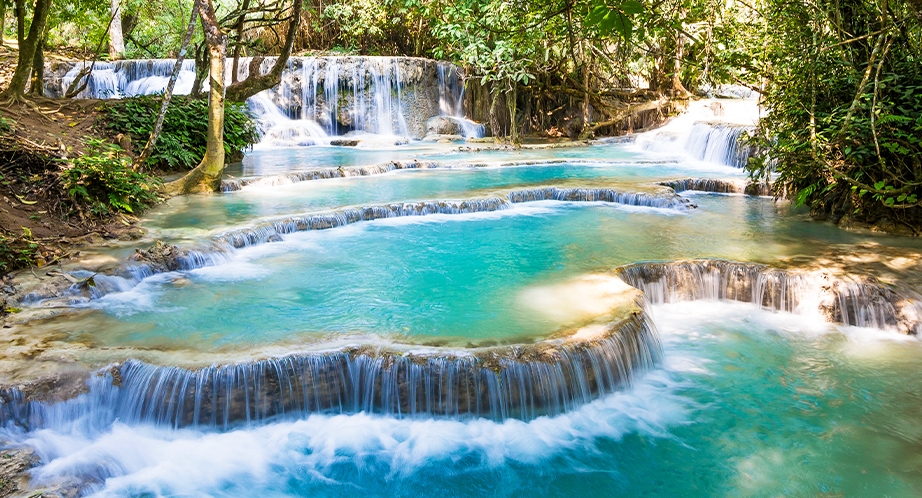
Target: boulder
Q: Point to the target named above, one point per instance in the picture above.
(443, 125)
(344, 142)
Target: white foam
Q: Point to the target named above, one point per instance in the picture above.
(135, 460)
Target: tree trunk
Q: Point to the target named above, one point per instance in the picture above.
(240, 25)
(206, 177)
(19, 8)
(3, 5)
(37, 87)
(201, 63)
(512, 108)
(494, 119)
(255, 83)
(27, 46)
(116, 40)
(167, 93)
(678, 89)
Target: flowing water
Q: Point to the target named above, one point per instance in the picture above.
(393, 320)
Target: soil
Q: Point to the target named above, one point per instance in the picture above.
(39, 222)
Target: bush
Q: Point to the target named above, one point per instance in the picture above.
(103, 178)
(182, 142)
(844, 120)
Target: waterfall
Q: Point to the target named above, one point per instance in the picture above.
(236, 184)
(271, 231)
(451, 106)
(840, 299)
(711, 130)
(720, 186)
(584, 194)
(114, 80)
(277, 129)
(317, 96)
(719, 143)
(523, 382)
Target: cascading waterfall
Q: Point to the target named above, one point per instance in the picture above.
(843, 300)
(273, 230)
(719, 186)
(236, 184)
(719, 143)
(113, 80)
(451, 101)
(316, 98)
(712, 130)
(522, 382)
(390, 96)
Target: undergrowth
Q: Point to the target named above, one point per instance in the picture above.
(103, 179)
(183, 140)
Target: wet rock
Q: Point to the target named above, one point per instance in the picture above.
(14, 467)
(443, 125)
(161, 256)
(344, 142)
(443, 138)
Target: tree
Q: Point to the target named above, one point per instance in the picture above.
(255, 82)
(843, 129)
(206, 177)
(116, 40)
(167, 93)
(27, 46)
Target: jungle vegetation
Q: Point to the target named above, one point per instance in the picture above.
(840, 80)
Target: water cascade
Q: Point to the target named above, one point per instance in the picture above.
(219, 251)
(844, 300)
(712, 131)
(719, 186)
(118, 79)
(523, 381)
(719, 143)
(451, 120)
(316, 98)
(236, 184)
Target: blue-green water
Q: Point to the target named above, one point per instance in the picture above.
(748, 403)
(456, 277)
(195, 216)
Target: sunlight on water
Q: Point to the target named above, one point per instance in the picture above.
(748, 403)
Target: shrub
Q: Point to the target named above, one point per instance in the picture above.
(102, 177)
(182, 142)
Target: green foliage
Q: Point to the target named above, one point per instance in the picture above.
(183, 139)
(844, 121)
(7, 125)
(102, 177)
(614, 18)
(17, 250)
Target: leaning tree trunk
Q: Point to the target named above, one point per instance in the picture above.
(116, 38)
(27, 46)
(167, 93)
(206, 177)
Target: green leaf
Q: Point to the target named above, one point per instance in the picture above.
(631, 7)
